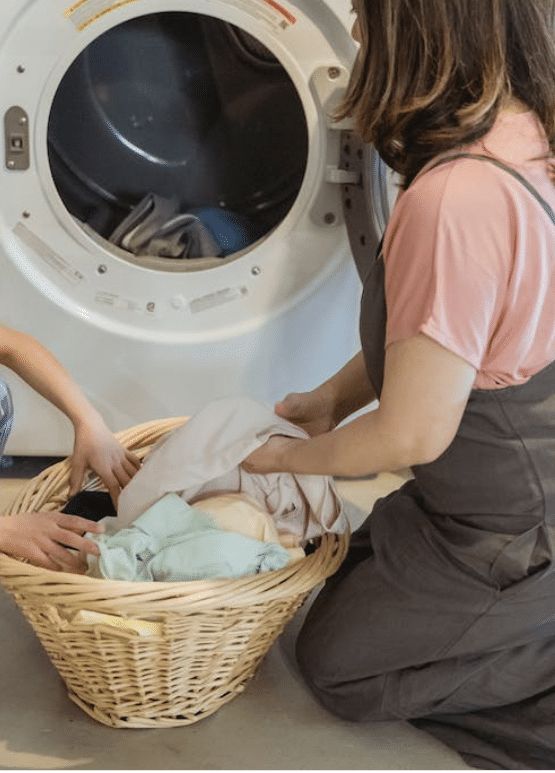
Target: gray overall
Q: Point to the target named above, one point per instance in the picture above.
(446, 601)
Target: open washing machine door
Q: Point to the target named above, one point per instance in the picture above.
(171, 221)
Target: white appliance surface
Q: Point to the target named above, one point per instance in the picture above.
(149, 338)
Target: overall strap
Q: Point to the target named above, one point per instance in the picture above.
(506, 168)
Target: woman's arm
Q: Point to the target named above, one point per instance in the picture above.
(426, 388)
(95, 446)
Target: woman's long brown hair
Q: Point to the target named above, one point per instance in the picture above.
(432, 74)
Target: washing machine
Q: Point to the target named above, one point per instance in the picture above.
(172, 201)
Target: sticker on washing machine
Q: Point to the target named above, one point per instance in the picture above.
(117, 301)
(84, 12)
(269, 11)
(54, 260)
(210, 301)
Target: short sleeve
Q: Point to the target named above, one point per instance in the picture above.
(447, 256)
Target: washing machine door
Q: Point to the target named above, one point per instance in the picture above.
(171, 222)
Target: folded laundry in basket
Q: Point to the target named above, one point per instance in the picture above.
(173, 542)
(204, 457)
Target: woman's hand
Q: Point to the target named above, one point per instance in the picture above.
(41, 537)
(312, 411)
(322, 409)
(271, 457)
(97, 448)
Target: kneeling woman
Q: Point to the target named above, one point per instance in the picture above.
(446, 603)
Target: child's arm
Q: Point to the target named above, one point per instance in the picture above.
(95, 446)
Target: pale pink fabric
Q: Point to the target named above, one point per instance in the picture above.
(470, 258)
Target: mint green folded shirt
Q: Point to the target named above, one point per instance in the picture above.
(173, 542)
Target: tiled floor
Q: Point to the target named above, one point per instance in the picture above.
(274, 724)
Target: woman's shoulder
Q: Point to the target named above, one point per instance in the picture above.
(456, 189)
(461, 212)
(458, 174)
(479, 175)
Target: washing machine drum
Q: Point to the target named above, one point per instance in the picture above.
(178, 134)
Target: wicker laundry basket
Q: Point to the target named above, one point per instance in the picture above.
(204, 639)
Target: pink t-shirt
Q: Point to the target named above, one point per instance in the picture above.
(470, 257)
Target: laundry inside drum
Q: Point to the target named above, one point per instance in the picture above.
(177, 135)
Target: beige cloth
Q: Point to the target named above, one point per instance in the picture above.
(240, 514)
(203, 458)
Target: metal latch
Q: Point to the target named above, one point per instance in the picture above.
(342, 176)
(16, 132)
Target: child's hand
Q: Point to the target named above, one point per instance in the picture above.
(97, 448)
(41, 537)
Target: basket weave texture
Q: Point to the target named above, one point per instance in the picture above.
(212, 635)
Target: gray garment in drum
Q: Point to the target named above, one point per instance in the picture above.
(445, 606)
(156, 227)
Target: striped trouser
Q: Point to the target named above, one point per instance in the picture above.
(6, 414)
